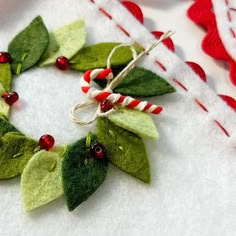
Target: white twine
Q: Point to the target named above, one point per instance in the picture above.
(114, 83)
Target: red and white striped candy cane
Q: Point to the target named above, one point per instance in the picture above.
(116, 98)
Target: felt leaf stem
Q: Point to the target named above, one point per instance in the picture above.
(95, 56)
(124, 149)
(15, 151)
(65, 41)
(81, 173)
(41, 180)
(28, 46)
(134, 121)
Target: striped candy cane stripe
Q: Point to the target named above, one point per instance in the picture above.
(116, 98)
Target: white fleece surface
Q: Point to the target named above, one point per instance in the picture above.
(222, 10)
(193, 165)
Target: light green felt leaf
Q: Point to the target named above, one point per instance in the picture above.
(5, 126)
(41, 180)
(124, 149)
(65, 41)
(4, 107)
(95, 56)
(5, 76)
(134, 121)
(28, 46)
(141, 82)
(81, 174)
(15, 151)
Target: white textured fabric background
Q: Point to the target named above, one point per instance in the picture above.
(193, 164)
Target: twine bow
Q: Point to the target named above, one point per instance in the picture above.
(95, 95)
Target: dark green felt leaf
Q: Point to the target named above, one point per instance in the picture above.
(6, 126)
(28, 46)
(5, 76)
(95, 56)
(124, 149)
(81, 174)
(15, 151)
(141, 82)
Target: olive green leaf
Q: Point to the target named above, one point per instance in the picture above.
(65, 41)
(41, 180)
(81, 174)
(4, 107)
(28, 46)
(5, 126)
(124, 149)
(95, 56)
(141, 82)
(134, 121)
(5, 76)
(15, 152)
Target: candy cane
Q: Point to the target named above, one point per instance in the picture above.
(116, 98)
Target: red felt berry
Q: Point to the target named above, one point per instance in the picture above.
(5, 57)
(97, 151)
(106, 105)
(63, 63)
(10, 97)
(46, 142)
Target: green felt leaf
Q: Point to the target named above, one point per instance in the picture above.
(81, 173)
(5, 76)
(6, 126)
(95, 56)
(135, 121)
(28, 46)
(15, 151)
(41, 180)
(65, 41)
(4, 107)
(141, 82)
(124, 149)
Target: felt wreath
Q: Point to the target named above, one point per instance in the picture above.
(77, 170)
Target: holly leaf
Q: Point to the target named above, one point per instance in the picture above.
(41, 180)
(28, 46)
(15, 151)
(124, 149)
(95, 56)
(4, 107)
(134, 121)
(65, 41)
(5, 76)
(81, 174)
(5, 126)
(141, 82)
